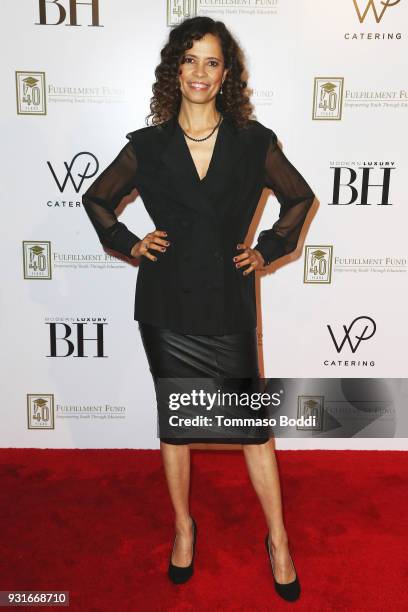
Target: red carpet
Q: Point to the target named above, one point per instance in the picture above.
(98, 523)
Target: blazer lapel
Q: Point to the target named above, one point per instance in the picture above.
(201, 195)
(222, 173)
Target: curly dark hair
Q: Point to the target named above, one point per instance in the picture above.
(234, 101)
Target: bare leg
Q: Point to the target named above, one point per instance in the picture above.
(176, 462)
(263, 472)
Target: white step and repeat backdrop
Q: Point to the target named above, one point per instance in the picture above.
(328, 77)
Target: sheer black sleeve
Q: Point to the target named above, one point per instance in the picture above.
(103, 196)
(295, 198)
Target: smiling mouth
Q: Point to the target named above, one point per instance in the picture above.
(196, 85)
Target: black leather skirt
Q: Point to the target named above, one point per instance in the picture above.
(181, 363)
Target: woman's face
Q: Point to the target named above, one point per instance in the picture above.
(202, 70)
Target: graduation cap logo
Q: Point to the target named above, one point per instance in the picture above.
(311, 408)
(30, 81)
(37, 249)
(318, 254)
(318, 263)
(328, 87)
(317, 257)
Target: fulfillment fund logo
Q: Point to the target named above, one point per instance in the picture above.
(318, 264)
(30, 93)
(37, 259)
(328, 98)
(33, 95)
(178, 10)
(311, 410)
(40, 411)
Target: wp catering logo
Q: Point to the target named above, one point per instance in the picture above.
(374, 14)
(375, 8)
(350, 338)
(76, 336)
(361, 328)
(83, 166)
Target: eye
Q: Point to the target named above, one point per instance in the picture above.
(187, 59)
(214, 63)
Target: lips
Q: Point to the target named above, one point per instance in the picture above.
(198, 85)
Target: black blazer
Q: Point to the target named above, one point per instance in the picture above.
(194, 287)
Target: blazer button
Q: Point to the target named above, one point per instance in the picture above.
(185, 223)
(187, 257)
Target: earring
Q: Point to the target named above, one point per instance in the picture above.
(220, 92)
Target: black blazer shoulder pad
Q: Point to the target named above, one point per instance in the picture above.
(261, 129)
(140, 134)
(260, 136)
(145, 138)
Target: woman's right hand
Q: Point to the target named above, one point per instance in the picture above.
(153, 241)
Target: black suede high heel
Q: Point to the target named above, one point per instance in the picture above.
(178, 574)
(289, 591)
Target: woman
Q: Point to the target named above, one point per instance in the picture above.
(200, 169)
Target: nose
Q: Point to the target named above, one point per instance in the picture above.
(199, 70)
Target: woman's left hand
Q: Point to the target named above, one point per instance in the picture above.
(248, 256)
